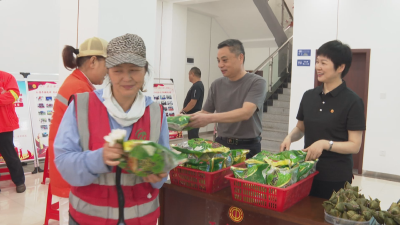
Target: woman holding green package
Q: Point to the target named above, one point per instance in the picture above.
(331, 119)
(103, 193)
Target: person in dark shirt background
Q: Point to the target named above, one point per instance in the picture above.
(194, 98)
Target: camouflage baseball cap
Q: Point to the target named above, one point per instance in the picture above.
(128, 48)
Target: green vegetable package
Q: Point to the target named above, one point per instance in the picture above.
(144, 157)
(282, 177)
(256, 173)
(209, 156)
(178, 123)
(199, 146)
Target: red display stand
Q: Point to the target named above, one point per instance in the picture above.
(52, 212)
(5, 177)
(46, 173)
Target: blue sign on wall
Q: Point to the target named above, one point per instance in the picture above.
(304, 52)
(303, 62)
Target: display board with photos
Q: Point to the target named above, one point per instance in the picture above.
(165, 95)
(42, 95)
(23, 144)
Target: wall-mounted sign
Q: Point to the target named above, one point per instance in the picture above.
(304, 52)
(303, 62)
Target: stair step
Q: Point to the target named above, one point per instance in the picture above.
(283, 104)
(281, 126)
(273, 145)
(284, 98)
(274, 135)
(275, 117)
(286, 91)
(278, 110)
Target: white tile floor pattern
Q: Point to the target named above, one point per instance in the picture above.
(29, 208)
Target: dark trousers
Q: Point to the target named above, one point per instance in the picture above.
(11, 158)
(324, 189)
(194, 133)
(254, 148)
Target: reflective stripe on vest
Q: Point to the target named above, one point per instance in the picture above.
(62, 99)
(127, 179)
(155, 125)
(82, 108)
(112, 213)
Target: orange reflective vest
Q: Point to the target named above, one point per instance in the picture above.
(75, 83)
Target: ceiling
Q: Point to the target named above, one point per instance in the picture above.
(240, 19)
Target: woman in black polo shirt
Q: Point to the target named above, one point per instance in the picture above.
(331, 119)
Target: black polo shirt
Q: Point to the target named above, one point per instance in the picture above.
(330, 117)
(196, 92)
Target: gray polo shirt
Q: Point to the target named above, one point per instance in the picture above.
(225, 95)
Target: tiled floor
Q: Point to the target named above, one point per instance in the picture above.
(29, 207)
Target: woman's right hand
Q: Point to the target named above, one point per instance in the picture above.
(111, 154)
(286, 144)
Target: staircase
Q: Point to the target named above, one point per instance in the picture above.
(276, 70)
(275, 121)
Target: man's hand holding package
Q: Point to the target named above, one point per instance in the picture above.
(198, 120)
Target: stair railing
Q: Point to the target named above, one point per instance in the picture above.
(273, 75)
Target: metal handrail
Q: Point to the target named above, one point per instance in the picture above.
(272, 55)
(287, 8)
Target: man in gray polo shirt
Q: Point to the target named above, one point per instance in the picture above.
(235, 101)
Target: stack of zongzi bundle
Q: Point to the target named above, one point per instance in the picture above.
(348, 205)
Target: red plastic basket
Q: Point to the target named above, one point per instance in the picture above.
(208, 182)
(269, 197)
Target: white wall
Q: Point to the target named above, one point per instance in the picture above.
(203, 36)
(68, 31)
(356, 25)
(173, 45)
(255, 56)
(198, 47)
(29, 36)
(107, 20)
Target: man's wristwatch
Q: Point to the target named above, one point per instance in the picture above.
(183, 112)
(330, 146)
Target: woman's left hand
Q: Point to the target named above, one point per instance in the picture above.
(314, 151)
(154, 178)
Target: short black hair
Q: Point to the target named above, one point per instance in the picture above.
(235, 46)
(196, 71)
(338, 53)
